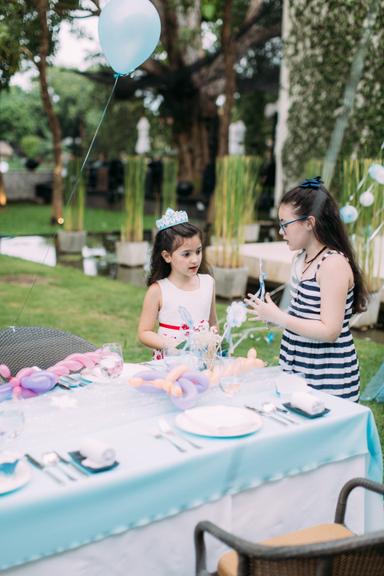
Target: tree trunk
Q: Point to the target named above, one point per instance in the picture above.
(229, 53)
(193, 137)
(57, 194)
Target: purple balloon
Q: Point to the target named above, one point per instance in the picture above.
(39, 382)
(6, 391)
(199, 380)
(188, 399)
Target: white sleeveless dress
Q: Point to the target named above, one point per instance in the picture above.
(197, 302)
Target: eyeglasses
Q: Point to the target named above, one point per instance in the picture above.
(283, 225)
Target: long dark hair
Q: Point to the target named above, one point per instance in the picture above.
(329, 230)
(170, 239)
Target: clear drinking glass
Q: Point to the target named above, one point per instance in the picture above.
(174, 357)
(11, 424)
(229, 381)
(112, 362)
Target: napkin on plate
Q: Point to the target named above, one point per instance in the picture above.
(307, 402)
(96, 453)
(220, 419)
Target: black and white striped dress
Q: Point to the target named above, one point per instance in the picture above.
(332, 367)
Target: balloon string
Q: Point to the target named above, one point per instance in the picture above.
(42, 261)
(74, 187)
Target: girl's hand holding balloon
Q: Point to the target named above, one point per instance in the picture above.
(265, 311)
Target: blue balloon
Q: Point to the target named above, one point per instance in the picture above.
(129, 31)
(349, 214)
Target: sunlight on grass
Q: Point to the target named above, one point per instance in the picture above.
(34, 220)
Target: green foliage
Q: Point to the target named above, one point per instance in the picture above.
(322, 43)
(235, 196)
(20, 32)
(350, 181)
(135, 169)
(32, 146)
(21, 115)
(169, 193)
(74, 197)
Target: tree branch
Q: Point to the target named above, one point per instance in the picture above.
(253, 10)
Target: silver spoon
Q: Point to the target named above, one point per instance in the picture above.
(52, 459)
(271, 408)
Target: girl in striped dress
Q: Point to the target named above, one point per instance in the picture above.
(317, 341)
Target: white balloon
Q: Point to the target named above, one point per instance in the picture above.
(4, 166)
(366, 199)
(376, 172)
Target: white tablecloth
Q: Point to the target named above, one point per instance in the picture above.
(140, 517)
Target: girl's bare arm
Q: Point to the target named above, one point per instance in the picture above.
(149, 316)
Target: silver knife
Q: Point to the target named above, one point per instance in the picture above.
(74, 465)
(43, 468)
(267, 415)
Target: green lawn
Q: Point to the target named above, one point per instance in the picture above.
(34, 219)
(102, 310)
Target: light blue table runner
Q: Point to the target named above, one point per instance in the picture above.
(154, 481)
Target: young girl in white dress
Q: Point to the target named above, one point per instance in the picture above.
(317, 341)
(175, 284)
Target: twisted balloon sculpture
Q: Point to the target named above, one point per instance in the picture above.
(181, 384)
(32, 381)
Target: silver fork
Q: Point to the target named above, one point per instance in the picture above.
(160, 435)
(166, 429)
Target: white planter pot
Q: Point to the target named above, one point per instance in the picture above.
(371, 315)
(251, 232)
(230, 282)
(71, 242)
(132, 275)
(131, 253)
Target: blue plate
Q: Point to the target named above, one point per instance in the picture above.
(78, 458)
(303, 412)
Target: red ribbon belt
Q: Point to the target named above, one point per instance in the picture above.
(170, 327)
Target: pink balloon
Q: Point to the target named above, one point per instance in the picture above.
(5, 371)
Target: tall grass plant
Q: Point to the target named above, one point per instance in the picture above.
(133, 226)
(235, 199)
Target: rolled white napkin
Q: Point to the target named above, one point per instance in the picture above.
(220, 419)
(307, 402)
(97, 453)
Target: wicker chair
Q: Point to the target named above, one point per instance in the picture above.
(25, 346)
(325, 550)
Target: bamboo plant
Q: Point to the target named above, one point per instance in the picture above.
(351, 181)
(133, 225)
(252, 186)
(367, 230)
(74, 186)
(236, 183)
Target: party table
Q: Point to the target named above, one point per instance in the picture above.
(138, 518)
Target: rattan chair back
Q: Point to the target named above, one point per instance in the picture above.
(356, 555)
(26, 346)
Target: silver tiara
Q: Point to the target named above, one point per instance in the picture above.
(171, 218)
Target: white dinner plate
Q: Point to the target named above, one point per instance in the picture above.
(234, 421)
(19, 478)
